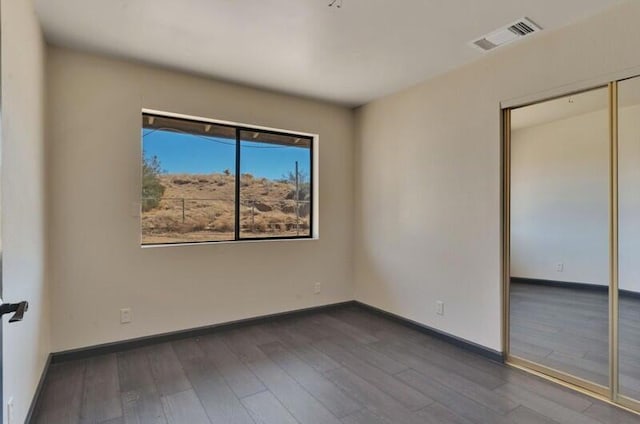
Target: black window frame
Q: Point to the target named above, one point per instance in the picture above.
(239, 128)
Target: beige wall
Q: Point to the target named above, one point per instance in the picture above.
(98, 266)
(428, 174)
(25, 344)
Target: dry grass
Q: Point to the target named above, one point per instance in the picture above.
(202, 208)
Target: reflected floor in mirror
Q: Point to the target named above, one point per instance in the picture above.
(568, 329)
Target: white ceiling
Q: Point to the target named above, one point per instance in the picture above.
(351, 55)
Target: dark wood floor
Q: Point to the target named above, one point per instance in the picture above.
(347, 366)
(568, 329)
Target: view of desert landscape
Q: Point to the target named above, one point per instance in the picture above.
(190, 191)
(191, 208)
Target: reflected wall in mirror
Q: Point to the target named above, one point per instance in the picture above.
(629, 237)
(559, 235)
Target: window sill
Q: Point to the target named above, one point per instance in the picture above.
(217, 243)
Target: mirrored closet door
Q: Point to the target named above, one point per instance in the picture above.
(559, 237)
(628, 115)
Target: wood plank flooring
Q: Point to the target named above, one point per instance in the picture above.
(568, 329)
(347, 366)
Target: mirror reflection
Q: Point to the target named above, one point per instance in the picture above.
(629, 237)
(560, 235)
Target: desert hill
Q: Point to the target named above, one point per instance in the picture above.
(201, 208)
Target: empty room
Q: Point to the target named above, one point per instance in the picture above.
(320, 212)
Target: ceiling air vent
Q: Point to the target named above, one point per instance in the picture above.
(521, 28)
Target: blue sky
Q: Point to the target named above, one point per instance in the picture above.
(189, 154)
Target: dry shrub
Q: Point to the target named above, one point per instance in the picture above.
(198, 227)
(181, 181)
(258, 225)
(246, 213)
(223, 224)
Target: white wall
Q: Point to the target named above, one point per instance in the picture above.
(428, 174)
(25, 344)
(98, 266)
(560, 200)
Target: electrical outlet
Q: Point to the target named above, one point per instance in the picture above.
(10, 417)
(126, 315)
(317, 287)
(440, 307)
(560, 267)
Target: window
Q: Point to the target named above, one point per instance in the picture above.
(207, 182)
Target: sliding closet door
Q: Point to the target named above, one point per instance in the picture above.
(559, 237)
(629, 238)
